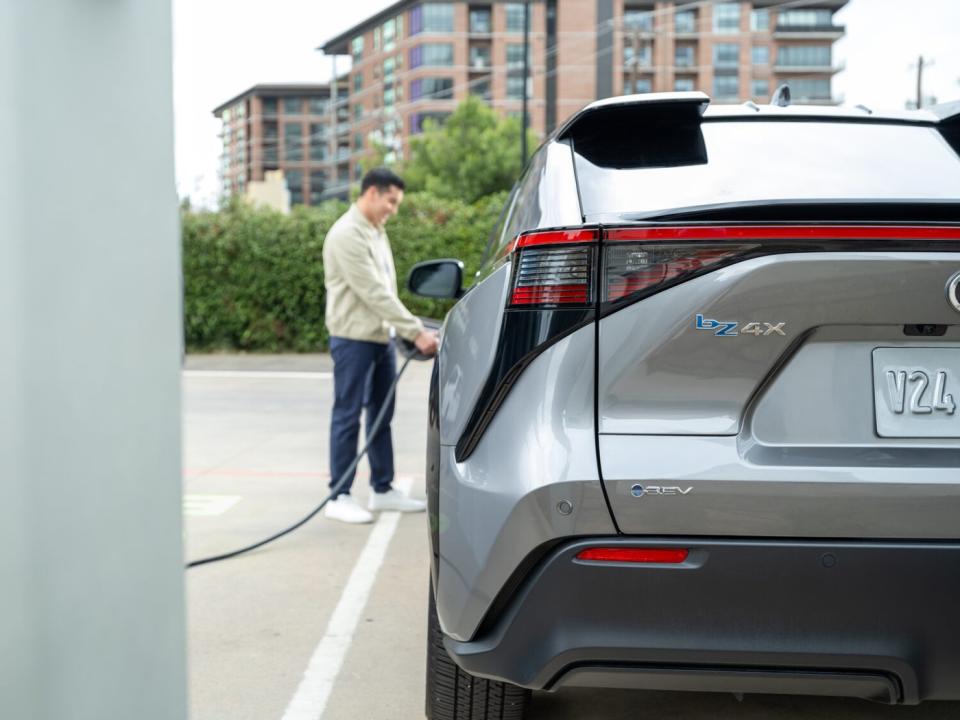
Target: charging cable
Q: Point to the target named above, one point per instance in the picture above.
(410, 351)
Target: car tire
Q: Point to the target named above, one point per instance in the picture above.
(453, 694)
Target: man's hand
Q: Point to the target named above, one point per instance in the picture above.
(427, 342)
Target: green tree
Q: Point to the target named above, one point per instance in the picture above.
(473, 154)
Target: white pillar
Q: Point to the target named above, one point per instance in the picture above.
(91, 602)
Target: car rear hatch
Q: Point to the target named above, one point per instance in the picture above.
(778, 349)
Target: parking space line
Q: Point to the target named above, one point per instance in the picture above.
(310, 699)
(208, 505)
(258, 374)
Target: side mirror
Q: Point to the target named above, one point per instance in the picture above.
(436, 279)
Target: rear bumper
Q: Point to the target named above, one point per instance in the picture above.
(876, 620)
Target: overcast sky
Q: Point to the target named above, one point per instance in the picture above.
(222, 47)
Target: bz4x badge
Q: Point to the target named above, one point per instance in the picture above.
(732, 329)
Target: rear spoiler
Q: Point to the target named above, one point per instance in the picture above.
(655, 130)
(678, 105)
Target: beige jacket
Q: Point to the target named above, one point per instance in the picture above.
(361, 281)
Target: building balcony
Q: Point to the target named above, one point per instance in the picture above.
(809, 69)
(809, 32)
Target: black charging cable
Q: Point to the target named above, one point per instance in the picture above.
(410, 351)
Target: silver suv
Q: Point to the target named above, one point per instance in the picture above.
(695, 426)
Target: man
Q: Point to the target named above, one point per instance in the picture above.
(363, 312)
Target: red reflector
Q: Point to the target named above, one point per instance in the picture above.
(551, 294)
(673, 556)
(787, 232)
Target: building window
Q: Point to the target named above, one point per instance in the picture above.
(271, 139)
(480, 20)
(399, 21)
(759, 89)
(760, 20)
(804, 56)
(515, 12)
(294, 180)
(683, 85)
(760, 55)
(515, 87)
(685, 56)
(481, 88)
(356, 48)
(319, 106)
(641, 55)
(726, 87)
(805, 19)
(638, 20)
(432, 18)
(515, 57)
(642, 85)
(431, 89)
(726, 55)
(357, 142)
(269, 106)
(480, 57)
(318, 182)
(726, 17)
(685, 21)
(431, 55)
(240, 110)
(376, 39)
(389, 67)
(318, 141)
(293, 106)
(358, 82)
(419, 121)
(416, 20)
(292, 141)
(805, 89)
(388, 32)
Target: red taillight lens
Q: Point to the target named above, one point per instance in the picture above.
(668, 556)
(633, 267)
(553, 276)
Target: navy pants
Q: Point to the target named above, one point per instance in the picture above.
(362, 375)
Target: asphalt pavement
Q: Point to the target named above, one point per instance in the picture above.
(329, 622)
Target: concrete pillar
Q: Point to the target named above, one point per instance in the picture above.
(91, 609)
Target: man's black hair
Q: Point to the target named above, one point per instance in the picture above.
(382, 179)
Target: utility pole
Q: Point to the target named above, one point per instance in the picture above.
(922, 64)
(526, 74)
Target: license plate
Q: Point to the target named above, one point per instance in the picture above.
(916, 392)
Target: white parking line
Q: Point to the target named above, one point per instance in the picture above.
(208, 505)
(310, 700)
(257, 374)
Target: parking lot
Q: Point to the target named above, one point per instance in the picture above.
(330, 621)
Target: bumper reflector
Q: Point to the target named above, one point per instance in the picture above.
(668, 556)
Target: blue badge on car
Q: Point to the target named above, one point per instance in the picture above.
(730, 329)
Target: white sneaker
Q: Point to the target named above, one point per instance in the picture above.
(345, 509)
(394, 500)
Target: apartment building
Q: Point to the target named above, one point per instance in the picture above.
(289, 128)
(416, 60)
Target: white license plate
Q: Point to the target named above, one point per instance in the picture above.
(917, 392)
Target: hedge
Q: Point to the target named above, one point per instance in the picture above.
(253, 278)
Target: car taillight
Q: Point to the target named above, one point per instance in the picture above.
(634, 267)
(554, 268)
(666, 556)
(553, 276)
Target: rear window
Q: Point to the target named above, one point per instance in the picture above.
(781, 161)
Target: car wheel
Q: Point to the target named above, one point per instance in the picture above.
(453, 694)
